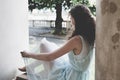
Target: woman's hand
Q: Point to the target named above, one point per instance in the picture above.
(25, 54)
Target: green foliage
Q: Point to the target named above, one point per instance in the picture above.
(87, 3)
(93, 9)
(40, 4)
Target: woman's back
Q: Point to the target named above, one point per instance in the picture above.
(76, 68)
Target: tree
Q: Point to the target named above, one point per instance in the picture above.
(57, 5)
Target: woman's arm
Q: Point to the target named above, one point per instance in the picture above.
(68, 46)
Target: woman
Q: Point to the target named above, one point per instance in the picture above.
(79, 45)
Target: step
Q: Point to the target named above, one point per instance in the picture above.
(22, 77)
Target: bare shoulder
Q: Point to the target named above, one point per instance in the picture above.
(74, 42)
(77, 42)
(76, 38)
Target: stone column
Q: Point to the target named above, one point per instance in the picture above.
(108, 40)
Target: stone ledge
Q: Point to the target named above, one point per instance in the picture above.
(22, 77)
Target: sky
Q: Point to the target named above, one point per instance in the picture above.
(92, 1)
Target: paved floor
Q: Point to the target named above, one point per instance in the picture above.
(43, 32)
(37, 33)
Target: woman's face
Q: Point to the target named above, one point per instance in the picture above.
(72, 21)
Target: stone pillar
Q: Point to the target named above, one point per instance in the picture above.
(108, 40)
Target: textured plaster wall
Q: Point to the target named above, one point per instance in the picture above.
(108, 40)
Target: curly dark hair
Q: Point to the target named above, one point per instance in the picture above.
(84, 23)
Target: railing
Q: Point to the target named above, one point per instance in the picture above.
(47, 23)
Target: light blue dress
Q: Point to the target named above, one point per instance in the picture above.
(77, 66)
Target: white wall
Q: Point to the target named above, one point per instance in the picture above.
(13, 36)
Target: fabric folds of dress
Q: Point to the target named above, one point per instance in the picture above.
(76, 68)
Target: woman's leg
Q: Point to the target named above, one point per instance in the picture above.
(23, 69)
